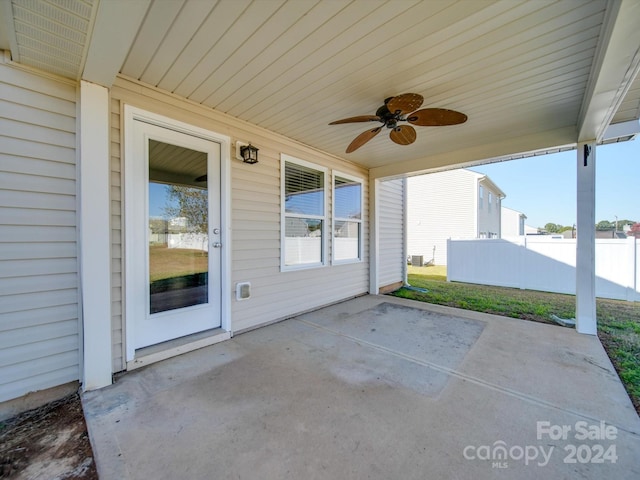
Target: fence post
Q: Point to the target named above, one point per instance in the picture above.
(448, 258)
(636, 271)
(522, 260)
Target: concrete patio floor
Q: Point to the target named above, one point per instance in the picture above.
(375, 387)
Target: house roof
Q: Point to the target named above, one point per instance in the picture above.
(610, 234)
(517, 212)
(488, 183)
(531, 76)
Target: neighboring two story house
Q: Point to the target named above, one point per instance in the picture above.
(451, 204)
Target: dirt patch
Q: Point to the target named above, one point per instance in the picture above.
(50, 442)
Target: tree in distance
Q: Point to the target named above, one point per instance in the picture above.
(552, 227)
(189, 203)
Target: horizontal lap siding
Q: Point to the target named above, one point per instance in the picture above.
(255, 212)
(256, 245)
(117, 342)
(440, 206)
(391, 232)
(39, 327)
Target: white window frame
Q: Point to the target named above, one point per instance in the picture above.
(490, 200)
(360, 180)
(284, 158)
(480, 196)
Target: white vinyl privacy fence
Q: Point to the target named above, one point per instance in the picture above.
(192, 241)
(546, 264)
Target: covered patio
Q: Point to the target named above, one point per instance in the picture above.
(300, 81)
(374, 387)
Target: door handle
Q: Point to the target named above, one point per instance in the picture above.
(216, 245)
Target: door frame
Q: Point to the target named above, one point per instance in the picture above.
(132, 114)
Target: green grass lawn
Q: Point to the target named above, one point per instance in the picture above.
(167, 263)
(618, 321)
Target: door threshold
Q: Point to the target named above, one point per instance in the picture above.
(162, 351)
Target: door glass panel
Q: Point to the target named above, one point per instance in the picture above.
(178, 227)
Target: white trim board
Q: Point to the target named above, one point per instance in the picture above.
(94, 246)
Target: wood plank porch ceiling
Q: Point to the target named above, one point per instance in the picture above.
(518, 69)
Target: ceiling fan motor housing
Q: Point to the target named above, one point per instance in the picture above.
(389, 119)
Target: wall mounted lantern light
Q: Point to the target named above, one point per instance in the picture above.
(246, 152)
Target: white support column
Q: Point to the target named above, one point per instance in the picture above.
(95, 234)
(405, 233)
(374, 188)
(586, 240)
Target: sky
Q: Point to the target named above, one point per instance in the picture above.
(544, 187)
(157, 199)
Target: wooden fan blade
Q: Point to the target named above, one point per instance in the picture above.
(434, 117)
(405, 103)
(361, 118)
(403, 135)
(362, 139)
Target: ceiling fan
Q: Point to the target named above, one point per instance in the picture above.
(402, 108)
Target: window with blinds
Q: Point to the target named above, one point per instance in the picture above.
(304, 217)
(347, 218)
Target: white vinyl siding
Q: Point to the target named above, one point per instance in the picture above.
(440, 206)
(489, 219)
(39, 327)
(117, 307)
(255, 222)
(391, 255)
(511, 223)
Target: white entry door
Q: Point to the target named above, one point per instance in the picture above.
(174, 249)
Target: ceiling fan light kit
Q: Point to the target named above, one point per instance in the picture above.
(402, 108)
